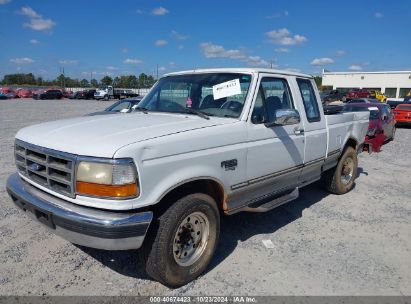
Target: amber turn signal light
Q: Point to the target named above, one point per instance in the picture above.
(116, 191)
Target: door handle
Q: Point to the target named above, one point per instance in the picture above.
(298, 131)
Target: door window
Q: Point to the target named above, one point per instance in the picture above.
(273, 94)
(310, 101)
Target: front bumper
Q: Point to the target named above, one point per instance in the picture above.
(80, 225)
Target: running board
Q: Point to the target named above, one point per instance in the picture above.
(271, 202)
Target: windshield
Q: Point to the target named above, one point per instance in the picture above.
(373, 112)
(214, 94)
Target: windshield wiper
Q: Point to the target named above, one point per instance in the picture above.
(198, 113)
(142, 109)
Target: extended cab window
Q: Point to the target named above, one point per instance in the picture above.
(310, 101)
(273, 94)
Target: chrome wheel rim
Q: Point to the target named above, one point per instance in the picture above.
(191, 239)
(347, 170)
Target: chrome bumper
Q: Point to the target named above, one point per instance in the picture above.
(84, 226)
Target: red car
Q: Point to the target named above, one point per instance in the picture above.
(24, 93)
(403, 114)
(358, 93)
(382, 123)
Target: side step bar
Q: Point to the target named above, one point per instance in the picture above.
(268, 203)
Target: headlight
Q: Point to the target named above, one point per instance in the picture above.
(110, 180)
(371, 132)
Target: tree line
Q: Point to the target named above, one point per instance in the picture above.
(128, 81)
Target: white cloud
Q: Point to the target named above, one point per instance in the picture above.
(112, 68)
(29, 12)
(341, 53)
(132, 61)
(322, 61)
(24, 60)
(37, 22)
(180, 47)
(293, 70)
(4, 1)
(283, 37)
(125, 50)
(162, 69)
(355, 67)
(282, 50)
(68, 61)
(139, 12)
(34, 41)
(217, 51)
(278, 15)
(160, 42)
(160, 11)
(178, 36)
(172, 63)
(378, 15)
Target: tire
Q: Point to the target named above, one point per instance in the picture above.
(106, 97)
(341, 178)
(344, 99)
(165, 260)
(394, 129)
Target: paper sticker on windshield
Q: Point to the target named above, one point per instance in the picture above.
(226, 89)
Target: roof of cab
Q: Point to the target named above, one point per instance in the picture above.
(240, 70)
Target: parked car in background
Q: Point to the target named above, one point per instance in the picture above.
(333, 95)
(67, 94)
(9, 93)
(363, 100)
(378, 95)
(25, 93)
(381, 126)
(121, 106)
(48, 94)
(109, 92)
(89, 94)
(3, 96)
(358, 93)
(77, 95)
(402, 114)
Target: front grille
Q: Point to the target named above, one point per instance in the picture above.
(48, 168)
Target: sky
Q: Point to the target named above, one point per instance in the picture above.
(97, 38)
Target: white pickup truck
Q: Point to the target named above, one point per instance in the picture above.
(203, 144)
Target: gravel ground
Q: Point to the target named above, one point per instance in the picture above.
(356, 244)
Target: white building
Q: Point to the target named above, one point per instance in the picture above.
(394, 84)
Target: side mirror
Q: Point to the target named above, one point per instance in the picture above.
(284, 117)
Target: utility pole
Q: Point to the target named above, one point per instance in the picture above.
(271, 66)
(157, 71)
(64, 80)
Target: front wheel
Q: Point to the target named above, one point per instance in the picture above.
(340, 179)
(179, 249)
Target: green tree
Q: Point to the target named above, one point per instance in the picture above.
(106, 80)
(84, 83)
(318, 81)
(94, 83)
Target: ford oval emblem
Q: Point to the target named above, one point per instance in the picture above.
(35, 167)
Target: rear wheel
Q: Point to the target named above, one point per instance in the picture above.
(106, 97)
(340, 179)
(182, 241)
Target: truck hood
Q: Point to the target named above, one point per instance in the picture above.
(102, 136)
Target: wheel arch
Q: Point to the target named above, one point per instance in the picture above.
(206, 185)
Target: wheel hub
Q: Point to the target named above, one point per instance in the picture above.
(191, 239)
(347, 170)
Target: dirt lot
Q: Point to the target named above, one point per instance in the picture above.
(356, 244)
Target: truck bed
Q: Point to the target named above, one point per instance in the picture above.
(342, 125)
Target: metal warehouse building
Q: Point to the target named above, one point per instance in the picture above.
(395, 84)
